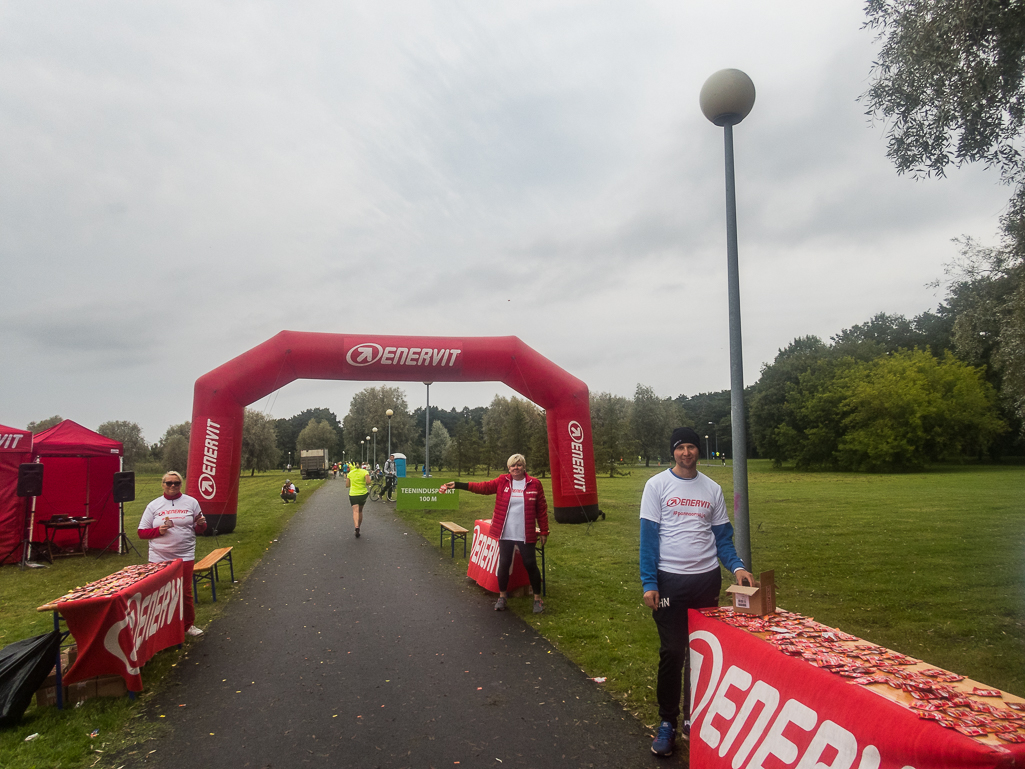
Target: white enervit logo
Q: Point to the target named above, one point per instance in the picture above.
(576, 446)
(762, 705)
(367, 353)
(143, 618)
(207, 485)
(10, 440)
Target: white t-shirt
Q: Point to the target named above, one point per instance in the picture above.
(685, 510)
(180, 540)
(515, 527)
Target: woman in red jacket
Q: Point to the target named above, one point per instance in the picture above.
(520, 509)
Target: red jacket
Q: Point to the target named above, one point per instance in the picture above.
(535, 507)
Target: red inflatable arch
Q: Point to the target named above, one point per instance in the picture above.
(222, 395)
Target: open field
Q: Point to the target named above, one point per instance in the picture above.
(929, 564)
(64, 736)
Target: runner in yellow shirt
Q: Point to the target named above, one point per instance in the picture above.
(356, 480)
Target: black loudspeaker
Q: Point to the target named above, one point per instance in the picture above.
(30, 479)
(124, 487)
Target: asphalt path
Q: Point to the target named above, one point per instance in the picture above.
(345, 652)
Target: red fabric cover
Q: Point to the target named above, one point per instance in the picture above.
(117, 634)
(15, 448)
(483, 566)
(70, 439)
(78, 480)
(813, 718)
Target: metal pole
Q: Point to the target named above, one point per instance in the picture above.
(389, 436)
(427, 434)
(740, 508)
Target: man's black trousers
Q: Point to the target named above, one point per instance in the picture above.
(683, 592)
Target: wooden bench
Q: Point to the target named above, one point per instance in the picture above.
(455, 532)
(207, 570)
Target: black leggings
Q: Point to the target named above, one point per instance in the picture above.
(505, 559)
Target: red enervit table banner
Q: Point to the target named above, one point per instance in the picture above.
(757, 708)
(117, 633)
(483, 566)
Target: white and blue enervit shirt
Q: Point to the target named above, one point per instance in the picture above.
(684, 528)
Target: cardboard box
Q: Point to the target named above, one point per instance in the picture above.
(47, 695)
(82, 691)
(760, 599)
(68, 657)
(111, 686)
(101, 686)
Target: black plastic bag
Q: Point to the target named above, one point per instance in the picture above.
(24, 666)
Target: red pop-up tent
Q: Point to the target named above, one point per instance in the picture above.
(15, 448)
(78, 480)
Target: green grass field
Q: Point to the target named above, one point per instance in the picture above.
(928, 564)
(932, 565)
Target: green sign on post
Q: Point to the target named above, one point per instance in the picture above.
(423, 494)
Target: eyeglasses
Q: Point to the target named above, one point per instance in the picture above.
(172, 483)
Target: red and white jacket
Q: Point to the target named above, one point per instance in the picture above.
(535, 506)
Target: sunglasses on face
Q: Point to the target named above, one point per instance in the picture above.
(172, 483)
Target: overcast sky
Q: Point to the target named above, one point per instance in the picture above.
(181, 181)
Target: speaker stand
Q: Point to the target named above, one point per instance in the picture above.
(25, 545)
(125, 544)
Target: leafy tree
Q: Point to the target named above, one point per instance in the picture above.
(288, 429)
(440, 441)
(904, 410)
(949, 82)
(174, 455)
(889, 333)
(259, 442)
(465, 446)
(184, 430)
(44, 424)
(317, 435)
(652, 423)
(611, 431)
(130, 434)
(510, 427)
(987, 298)
(769, 406)
(538, 461)
(367, 411)
(706, 413)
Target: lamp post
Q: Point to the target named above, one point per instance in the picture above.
(727, 98)
(361, 452)
(375, 449)
(427, 434)
(368, 450)
(715, 434)
(389, 414)
(708, 449)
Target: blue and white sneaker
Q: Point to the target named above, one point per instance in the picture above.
(665, 740)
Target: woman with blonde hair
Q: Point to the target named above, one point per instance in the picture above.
(520, 509)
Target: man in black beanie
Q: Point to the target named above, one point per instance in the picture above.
(685, 533)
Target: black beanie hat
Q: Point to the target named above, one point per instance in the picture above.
(684, 435)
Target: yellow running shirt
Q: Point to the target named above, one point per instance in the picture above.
(358, 482)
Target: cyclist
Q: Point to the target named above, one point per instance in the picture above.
(390, 473)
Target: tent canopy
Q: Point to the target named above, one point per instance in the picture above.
(70, 439)
(15, 449)
(78, 480)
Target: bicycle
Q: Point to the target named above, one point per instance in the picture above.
(381, 489)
